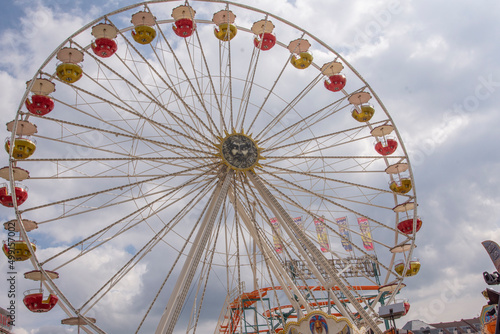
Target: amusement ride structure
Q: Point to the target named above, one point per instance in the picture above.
(221, 160)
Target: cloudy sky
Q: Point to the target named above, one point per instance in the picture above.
(435, 66)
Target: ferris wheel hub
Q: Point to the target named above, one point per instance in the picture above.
(239, 151)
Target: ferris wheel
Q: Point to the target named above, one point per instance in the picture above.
(206, 166)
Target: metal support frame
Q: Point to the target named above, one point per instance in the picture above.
(181, 288)
(313, 256)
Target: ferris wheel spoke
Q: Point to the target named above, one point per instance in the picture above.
(298, 192)
(283, 113)
(76, 144)
(173, 309)
(225, 77)
(268, 95)
(196, 91)
(109, 168)
(247, 89)
(147, 93)
(154, 167)
(323, 198)
(315, 259)
(320, 177)
(140, 254)
(157, 168)
(289, 106)
(214, 93)
(271, 261)
(101, 133)
(318, 117)
(86, 197)
(226, 60)
(170, 87)
(86, 95)
(83, 209)
(181, 100)
(128, 159)
(101, 77)
(181, 252)
(128, 220)
(163, 128)
(203, 281)
(94, 116)
(327, 141)
(343, 158)
(311, 238)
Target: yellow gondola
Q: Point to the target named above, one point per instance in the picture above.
(401, 187)
(69, 72)
(225, 31)
(365, 114)
(143, 34)
(17, 250)
(302, 61)
(23, 147)
(412, 270)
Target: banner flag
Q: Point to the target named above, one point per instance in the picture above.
(278, 245)
(344, 232)
(300, 225)
(322, 234)
(299, 222)
(366, 234)
(493, 251)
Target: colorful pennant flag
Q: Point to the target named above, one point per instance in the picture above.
(322, 235)
(300, 225)
(366, 234)
(299, 222)
(344, 232)
(278, 244)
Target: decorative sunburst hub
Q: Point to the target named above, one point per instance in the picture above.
(239, 151)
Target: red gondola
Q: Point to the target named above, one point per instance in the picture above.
(264, 36)
(33, 299)
(184, 24)
(335, 82)
(6, 198)
(40, 105)
(406, 225)
(104, 47)
(265, 41)
(184, 27)
(386, 147)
